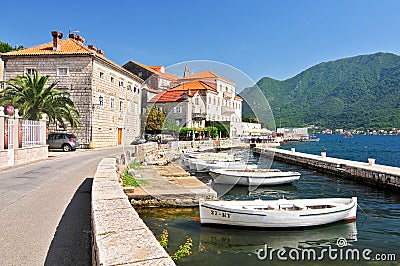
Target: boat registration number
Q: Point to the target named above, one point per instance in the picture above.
(222, 214)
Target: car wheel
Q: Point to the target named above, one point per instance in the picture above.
(66, 147)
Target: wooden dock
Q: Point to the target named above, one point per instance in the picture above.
(369, 172)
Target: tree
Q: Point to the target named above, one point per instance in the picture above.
(31, 96)
(171, 127)
(5, 47)
(154, 118)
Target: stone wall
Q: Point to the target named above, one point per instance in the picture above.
(30, 154)
(99, 124)
(120, 237)
(380, 175)
(78, 83)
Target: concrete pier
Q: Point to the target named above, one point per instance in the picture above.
(168, 185)
(368, 172)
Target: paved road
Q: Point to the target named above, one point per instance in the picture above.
(45, 209)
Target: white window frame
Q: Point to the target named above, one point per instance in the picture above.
(27, 70)
(62, 75)
(112, 102)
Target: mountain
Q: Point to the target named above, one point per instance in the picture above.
(357, 92)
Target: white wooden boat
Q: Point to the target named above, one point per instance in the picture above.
(205, 166)
(281, 213)
(255, 177)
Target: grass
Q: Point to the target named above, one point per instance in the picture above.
(130, 181)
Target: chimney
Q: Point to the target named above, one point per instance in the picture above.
(56, 40)
(100, 52)
(76, 37)
(92, 47)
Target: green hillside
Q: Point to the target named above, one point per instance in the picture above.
(357, 92)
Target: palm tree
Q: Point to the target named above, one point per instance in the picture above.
(31, 96)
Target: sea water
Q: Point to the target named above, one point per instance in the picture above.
(375, 234)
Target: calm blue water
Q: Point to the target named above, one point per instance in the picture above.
(385, 149)
(378, 219)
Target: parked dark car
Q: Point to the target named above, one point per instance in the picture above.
(138, 141)
(64, 141)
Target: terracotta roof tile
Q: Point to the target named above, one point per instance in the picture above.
(171, 96)
(193, 85)
(237, 97)
(67, 47)
(153, 69)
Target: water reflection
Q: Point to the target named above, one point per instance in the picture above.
(245, 240)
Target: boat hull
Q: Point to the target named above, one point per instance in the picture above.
(245, 213)
(249, 178)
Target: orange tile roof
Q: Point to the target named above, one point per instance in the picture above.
(156, 68)
(237, 97)
(67, 47)
(153, 69)
(207, 75)
(171, 96)
(193, 85)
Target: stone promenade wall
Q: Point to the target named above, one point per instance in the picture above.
(120, 237)
(380, 175)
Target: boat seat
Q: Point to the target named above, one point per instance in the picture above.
(300, 207)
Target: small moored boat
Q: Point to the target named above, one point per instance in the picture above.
(281, 213)
(255, 177)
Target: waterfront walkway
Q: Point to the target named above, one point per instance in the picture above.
(369, 172)
(169, 185)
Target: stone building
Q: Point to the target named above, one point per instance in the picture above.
(225, 105)
(107, 96)
(185, 104)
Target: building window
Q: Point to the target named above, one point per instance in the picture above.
(129, 87)
(121, 108)
(177, 122)
(196, 101)
(112, 102)
(29, 71)
(62, 71)
(101, 75)
(101, 100)
(177, 109)
(112, 79)
(122, 84)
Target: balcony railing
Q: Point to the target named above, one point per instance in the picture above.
(227, 110)
(199, 116)
(227, 95)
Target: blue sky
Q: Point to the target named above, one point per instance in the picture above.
(278, 39)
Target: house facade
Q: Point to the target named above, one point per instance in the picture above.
(107, 96)
(185, 104)
(225, 105)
